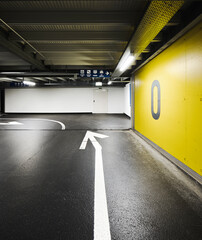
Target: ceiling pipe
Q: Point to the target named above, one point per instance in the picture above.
(37, 74)
(24, 40)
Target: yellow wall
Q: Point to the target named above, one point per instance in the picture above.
(179, 72)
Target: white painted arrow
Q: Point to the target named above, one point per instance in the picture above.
(12, 123)
(101, 218)
(32, 119)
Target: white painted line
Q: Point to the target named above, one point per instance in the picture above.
(91, 135)
(11, 123)
(39, 119)
(50, 120)
(101, 218)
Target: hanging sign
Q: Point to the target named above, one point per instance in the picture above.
(95, 73)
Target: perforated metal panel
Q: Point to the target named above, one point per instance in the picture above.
(156, 17)
(74, 5)
(73, 27)
(79, 42)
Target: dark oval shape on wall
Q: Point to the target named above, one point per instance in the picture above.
(156, 115)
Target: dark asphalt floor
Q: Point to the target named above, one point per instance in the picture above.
(47, 187)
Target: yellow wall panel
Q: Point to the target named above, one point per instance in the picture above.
(194, 99)
(179, 72)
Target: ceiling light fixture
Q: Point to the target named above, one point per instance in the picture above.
(98, 84)
(12, 73)
(127, 63)
(29, 83)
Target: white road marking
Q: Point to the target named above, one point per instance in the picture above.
(101, 218)
(50, 120)
(11, 123)
(38, 119)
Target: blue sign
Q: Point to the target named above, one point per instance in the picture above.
(95, 73)
(17, 84)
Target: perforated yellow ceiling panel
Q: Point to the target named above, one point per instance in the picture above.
(154, 20)
(156, 17)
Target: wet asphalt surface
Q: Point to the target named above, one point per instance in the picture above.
(47, 185)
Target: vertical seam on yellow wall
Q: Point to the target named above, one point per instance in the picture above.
(186, 101)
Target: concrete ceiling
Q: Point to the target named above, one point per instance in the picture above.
(65, 36)
(73, 33)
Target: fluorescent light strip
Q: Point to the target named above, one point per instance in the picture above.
(128, 62)
(98, 84)
(12, 73)
(29, 83)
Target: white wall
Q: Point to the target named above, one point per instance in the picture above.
(48, 100)
(115, 100)
(59, 100)
(127, 101)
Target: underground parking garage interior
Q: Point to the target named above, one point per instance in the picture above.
(101, 120)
